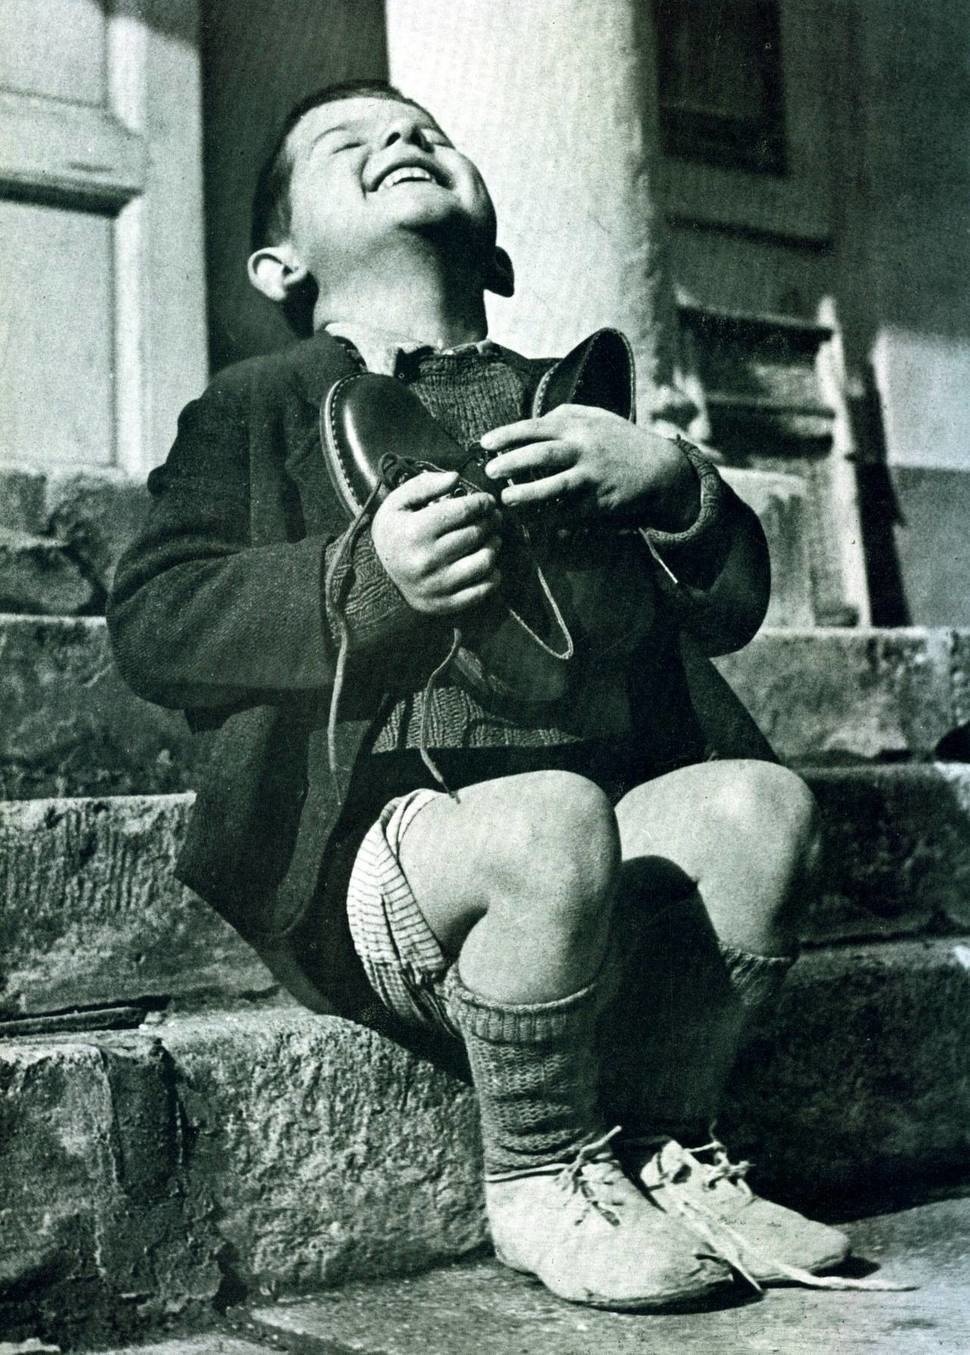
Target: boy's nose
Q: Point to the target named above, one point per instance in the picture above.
(405, 127)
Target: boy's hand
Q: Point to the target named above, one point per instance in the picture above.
(588, 461)
(440, 552)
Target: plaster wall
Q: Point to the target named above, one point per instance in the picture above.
(882, 90)
(258, 61)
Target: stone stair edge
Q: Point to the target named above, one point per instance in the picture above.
(776, 634)
(956, 772)
(91, 912)
(177, 1028)
(286, 1151)
(70, 726)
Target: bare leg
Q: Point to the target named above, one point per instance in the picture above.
(518, 881)
(518, 878)
(735, 845)
(716, 861)
(744, 833)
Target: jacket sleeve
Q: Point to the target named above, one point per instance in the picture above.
(715, 575)
(201, 617)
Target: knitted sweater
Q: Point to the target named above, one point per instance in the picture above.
(470, 392)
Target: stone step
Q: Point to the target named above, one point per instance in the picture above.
(69, 726)
(97, 512)
(41, 574)
(866, 694)
(926, 1246)
(264, 1151)
(91, 915)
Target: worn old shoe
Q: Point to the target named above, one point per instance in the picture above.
(591, 1237)
(766, 1242)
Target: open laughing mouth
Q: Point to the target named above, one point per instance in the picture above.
(412, 173)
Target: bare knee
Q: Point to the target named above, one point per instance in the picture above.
(557, 851)
(771, 818)
(772, 807)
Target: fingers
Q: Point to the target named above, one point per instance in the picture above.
(471, 570)
(513, 434)
(423, 489)
(533, 459)
(455, 545)
(467, 597)
(466, 581)
(451, 515)
(531, 492)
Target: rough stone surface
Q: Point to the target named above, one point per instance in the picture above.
(781, 503)
(482, 1306)
(91, 913)
(69, 725)
(96, 1230)
(211, 1343)
(22, 495)
(96, 512)
(271, 1151)
(324, 1150)
(897, 849)
(863, 1077)
(854, 694)
(40, 575)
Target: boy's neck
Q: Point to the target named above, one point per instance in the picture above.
(411, 293)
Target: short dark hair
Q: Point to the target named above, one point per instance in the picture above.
(270, 218)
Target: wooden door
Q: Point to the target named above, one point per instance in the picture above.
(102, 308)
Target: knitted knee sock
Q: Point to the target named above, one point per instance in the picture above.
(670, 1037)
(535, 1072)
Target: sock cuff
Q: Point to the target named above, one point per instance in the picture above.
(517, 1023)
(757, 979)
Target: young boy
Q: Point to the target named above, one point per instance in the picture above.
(602, 905)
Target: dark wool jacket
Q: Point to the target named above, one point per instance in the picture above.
(217, 610)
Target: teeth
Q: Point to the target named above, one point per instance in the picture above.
(404, 174)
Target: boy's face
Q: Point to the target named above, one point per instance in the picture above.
(366, 168)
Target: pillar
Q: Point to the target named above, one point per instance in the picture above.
(555, 101)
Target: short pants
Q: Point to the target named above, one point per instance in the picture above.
(402, 958)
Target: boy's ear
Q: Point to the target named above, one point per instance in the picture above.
(276, 271)
(501, 276)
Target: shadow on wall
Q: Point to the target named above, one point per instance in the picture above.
(879, 509)
(257, 61)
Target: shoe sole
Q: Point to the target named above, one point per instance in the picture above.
(687, 1300)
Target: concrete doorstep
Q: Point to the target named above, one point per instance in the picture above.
(209, 1158)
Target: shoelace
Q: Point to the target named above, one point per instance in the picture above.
(393, 471)
(574, 1177)
(728, 1241)
(390, 476)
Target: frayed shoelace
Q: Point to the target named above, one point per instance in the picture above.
(731, 1244)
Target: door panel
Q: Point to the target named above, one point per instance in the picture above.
(102, 303)
(56, 336)
(54, 48)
